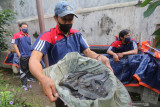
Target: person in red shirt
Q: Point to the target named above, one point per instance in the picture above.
(22, 45)
(124, 46)
(56, 43)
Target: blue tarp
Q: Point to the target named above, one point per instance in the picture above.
(139, 69)
(12, 59)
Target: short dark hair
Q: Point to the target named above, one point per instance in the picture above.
(20, 24)
(123, 32)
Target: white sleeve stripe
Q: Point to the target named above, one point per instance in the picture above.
(37, 44)
(85, 41)
(110, 48)
(134, 45)
(13, 41)
(42, 45)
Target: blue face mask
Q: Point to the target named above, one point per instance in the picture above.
(25, 30)
(127, 40)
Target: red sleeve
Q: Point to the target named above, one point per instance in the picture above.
(15, 36)
(114, 44)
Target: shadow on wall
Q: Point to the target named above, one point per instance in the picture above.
(35, 35)
(105, 25)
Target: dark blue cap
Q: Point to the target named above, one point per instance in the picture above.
(63, 8)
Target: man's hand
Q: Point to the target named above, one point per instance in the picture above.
(105, 61)
(47, 83)
(120, 55)
(19, 56)
(115, 58)
(49, 89)
(87, 52)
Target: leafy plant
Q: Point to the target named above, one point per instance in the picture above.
(6, 17)
(13, 95)
(1, 78)
(6, 98)
(153, 4)
(13, 98)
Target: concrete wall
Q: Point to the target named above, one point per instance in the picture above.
(7, 4)
(100, 24)
(27, 8)
(99, 27)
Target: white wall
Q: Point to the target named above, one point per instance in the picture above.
(100, 24)
(28, 9)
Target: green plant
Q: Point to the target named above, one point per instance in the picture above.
(6, 98)
(1, 78)
(13, 98)
(153, 4)
(6, 17)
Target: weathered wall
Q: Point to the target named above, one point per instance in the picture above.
(100, 24)
(27, 8)
(7, 4)
(97, 24)
(99, 27)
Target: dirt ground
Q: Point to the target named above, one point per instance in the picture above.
(35, 96)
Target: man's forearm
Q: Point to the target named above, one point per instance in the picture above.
(89, 53)
(35, 65)
(135, 51)
(36, 69)
(110, 52)
(102, 58)
(47, 83)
